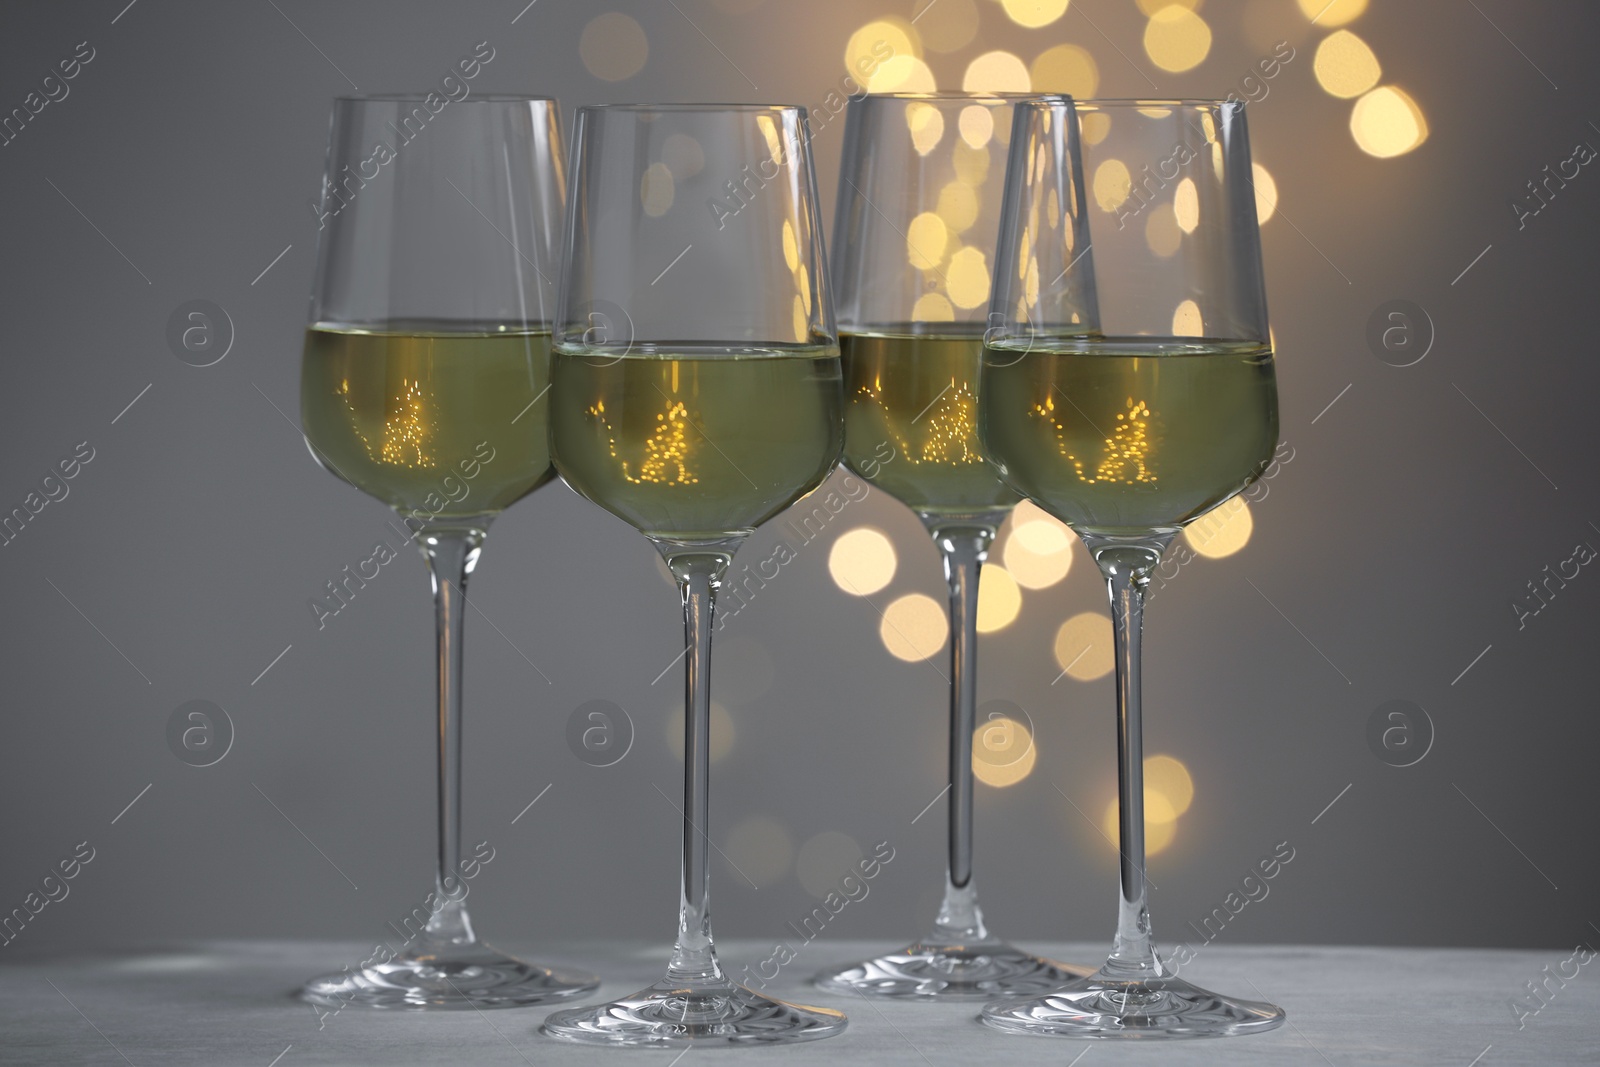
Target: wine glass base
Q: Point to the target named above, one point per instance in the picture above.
(471, 977)
(1101, 1008)
(667, 1015)
(980, 971)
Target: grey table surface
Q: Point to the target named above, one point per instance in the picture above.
(227, 1003)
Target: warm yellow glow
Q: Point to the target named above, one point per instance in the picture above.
(1186, 321)
(791, 250)
(958, 206)
(903, 74)
(1083, 646)
(1158, 832)
(862, 561)
(878, 42)
(914, 628)
(1331, 13)
(760, 848)
(926, 125)
(802, 321)
(1387, 122)
(1150, 7)
(933, 307)
(967, 278)
(1186, 205)
(1266, 192)
(996, 72)
(971, 164)
(1034, 13)
(1167, 778)
(613, 47)
(976, 125)
(769, 131)
(656, 190)
(999, 599)
(1223, 531)
(948, 25)
(1066, 68)
(1161, 231)
(683, 156)
(1003, 752)
(1093, 126)
(1038, 550)
(926, 238)
(1345, 66)
(721, 731)
(1112, 183)
(1176, 39)
(825, 859)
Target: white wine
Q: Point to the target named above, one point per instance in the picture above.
(432, 423)
(696, 447)
(1127, 435)
(917, 394)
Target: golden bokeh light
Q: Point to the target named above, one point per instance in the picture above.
(1003, 752)
(1176, 39)
(971, 164)
(1112, 184)
(996, 72)
(760, 849)
(926, 238)
(1083, 646)
(791, 250)
(1066, 68)
(1168, 778)
(999, 599)
(914, 628)
(1387, 122)
(967, 278)
(1093, 126)
(1330, 13)
(1345, 65)
(1266, 192)
(656, 190)
(1038, 550)
(903, 74)
(926, 124)
(1034, 13)
(933, 307)
(976, 125)
(824, 860)
(948, 25)
(1223, 531)
(1158, 832)
(1186, 205)
(613, 47)
(1162, 232)
(862, 561)
(1186, 320)
(958, 206)
(879, 42)
(721, 731)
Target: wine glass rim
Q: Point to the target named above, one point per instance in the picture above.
(1089, 103)
(693, 107)
(960, 94)
(418, 97)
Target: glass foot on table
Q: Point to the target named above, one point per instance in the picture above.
(670, 1015)
(474, 976)
(980, 971)
(1098, 1007)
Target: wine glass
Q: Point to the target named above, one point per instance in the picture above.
(695, 393)
(919, 207)
(1128, 388)
(422, 384)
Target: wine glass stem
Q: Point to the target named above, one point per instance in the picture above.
(694, 959)
(964, 548)
(1126, 564)
(451, 554)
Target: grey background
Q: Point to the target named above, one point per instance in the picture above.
(1395, 541)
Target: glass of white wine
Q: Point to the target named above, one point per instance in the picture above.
(423, 384)
(919, 208)
(695, 393)
(1127, 388)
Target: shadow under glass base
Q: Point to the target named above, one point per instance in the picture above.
(1102, 1008)
(667, 1015)
(979, 971)
(474, 976)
